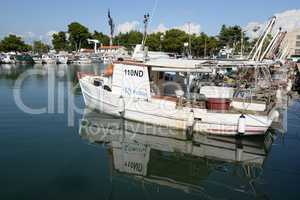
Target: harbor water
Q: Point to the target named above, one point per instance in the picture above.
(51, 147)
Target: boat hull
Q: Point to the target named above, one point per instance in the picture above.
(164, 113)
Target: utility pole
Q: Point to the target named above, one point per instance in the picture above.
(190, 40)
(242, 41)
(205, 47)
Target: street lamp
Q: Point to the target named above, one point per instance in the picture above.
(161, 40)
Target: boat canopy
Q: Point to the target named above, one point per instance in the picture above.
(178, 65)
(185, 65)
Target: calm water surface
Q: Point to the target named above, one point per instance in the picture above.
(62, 154)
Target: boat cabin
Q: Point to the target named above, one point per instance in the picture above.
(190, 83)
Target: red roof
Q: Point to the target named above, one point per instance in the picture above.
(111, 47)
(87, 50)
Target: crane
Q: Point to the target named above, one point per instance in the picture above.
(95, 43)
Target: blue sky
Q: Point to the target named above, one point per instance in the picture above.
(37, 17)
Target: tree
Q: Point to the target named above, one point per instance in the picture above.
(231, 37)
(135, 37)
(103, 39)
(121, 39)
(129, 39)
(154, 41)
(212, 46)
(40, 47)
(78, 36)
(198, 45)
(14, 43)
(174, 40)
(59, 41)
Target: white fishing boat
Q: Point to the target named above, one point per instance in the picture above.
(48, 59)
(82, 59)
(6, 59)
(62, 59)
(107, 59)
(96, 58)
(160, 94)
(37, 59)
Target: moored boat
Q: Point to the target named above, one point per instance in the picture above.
(24, 59)
(82, 59)
(146, 93)
(49, 59)
(37, 59)
(6, 58)
(62, 59)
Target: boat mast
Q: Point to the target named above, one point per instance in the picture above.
(271, 44)
(112, 28)
(256, 52)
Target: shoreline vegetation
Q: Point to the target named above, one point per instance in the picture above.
(172, 41)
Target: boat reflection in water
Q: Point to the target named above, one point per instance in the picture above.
(212, 166)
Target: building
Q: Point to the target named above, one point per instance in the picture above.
(87, 51)
(293, 41)
(112, 49)
(108, 51)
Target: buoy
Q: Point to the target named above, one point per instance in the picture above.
(242, 124)
(239, 154)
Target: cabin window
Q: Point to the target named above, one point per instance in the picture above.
(167, 77)
(161, 75)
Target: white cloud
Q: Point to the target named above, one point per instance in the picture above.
(254, 29)
(287, 20)
(16, 34)
(127, 27)
(29, 37)
(46, 37)
(160, 28)
(192, 28)
(50, 33)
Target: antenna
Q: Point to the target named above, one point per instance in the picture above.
(146, 21)
(112, 27)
